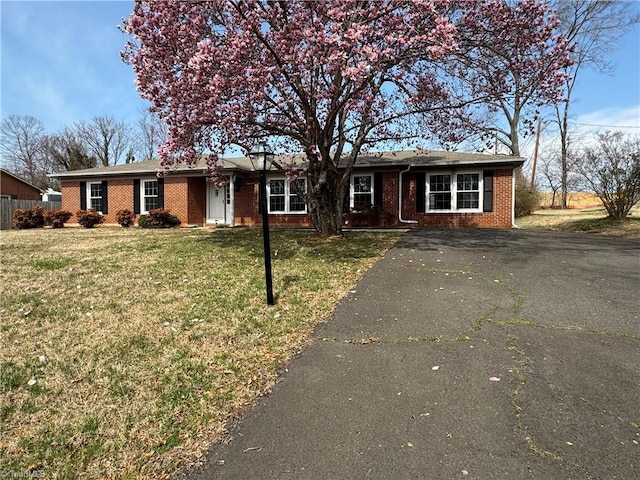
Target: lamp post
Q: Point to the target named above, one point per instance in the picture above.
(261, 157)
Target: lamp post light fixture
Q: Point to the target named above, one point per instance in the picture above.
(261, 157)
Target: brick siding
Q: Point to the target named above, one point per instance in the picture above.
(17, 189)
(186, 197)
(500, 217)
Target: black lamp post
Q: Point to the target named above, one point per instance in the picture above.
(261, 157)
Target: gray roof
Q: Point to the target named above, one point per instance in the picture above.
(415, 158)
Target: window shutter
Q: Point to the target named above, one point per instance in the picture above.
(161, 192)
(83, 195)
(136, 197)
(105, 197)
(377, 189)
(346, 204)
(421, 192)
(487, 191)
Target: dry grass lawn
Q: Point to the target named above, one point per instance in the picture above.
(586, 214)
(125, 351)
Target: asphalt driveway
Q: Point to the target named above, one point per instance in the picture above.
(475, 354)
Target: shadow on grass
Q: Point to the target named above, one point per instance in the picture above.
(598, 225)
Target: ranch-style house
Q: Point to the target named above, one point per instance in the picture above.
(398, 189)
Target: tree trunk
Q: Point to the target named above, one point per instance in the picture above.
(325, 200)
(564, 147)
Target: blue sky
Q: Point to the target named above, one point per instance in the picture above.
(61, 64)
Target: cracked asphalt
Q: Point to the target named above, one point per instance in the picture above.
(462, 354)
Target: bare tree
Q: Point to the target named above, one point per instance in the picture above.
(551, 172)
(151, 132)
(611, 169)
(66, 151)
(22, 140)
(106, 139)
(594, 28)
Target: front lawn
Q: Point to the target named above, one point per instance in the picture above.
(124, 351)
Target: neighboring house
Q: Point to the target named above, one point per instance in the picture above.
(409, 188)
(15, 188)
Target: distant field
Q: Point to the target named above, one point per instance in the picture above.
(576, 200)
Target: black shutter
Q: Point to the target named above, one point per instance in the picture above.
(487, 191)
(421, 192)
(346, 204)
(105, 197)
(260, 197)
(161, 192)
(377, 189)
(136, 197)
(83, 195)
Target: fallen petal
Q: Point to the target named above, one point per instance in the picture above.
(494, 379)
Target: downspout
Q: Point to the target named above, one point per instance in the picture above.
(400, 198)
(513, 201)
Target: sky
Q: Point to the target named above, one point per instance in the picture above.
(60, 63)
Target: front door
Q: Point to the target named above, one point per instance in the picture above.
(218, 204)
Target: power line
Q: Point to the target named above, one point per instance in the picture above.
(605, 126)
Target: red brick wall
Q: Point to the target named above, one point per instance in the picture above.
(186, 198)
(246, 208)
(70, 197)
(500, 217)
(120, 198)
(13, 187)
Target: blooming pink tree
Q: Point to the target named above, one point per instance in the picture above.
(330, 79)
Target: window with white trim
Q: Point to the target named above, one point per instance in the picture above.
(450, 192)
(361, 191)
(94, 196)
(150, 195)
(282, 196)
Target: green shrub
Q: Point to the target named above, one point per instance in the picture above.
(158, 218)
(89, 218)
(126, 218)
(28, 218)
(57, 218)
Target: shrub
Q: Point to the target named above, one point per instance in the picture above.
(28, 218)
(158, 218)
(527, 198)
(368, 216)
(89, 218)
(57, 218)
(126, 218)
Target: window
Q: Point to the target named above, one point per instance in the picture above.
(150, 195)
(282, 196)
(95, 196)
(440, 192)
(468, 191)
(447, 192)
(296, 202)
(361, 191)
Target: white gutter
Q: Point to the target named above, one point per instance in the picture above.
(513, 200)
(400, 198)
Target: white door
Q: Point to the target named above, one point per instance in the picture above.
(217, 204)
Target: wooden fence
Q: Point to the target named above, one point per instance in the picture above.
(8, 206)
